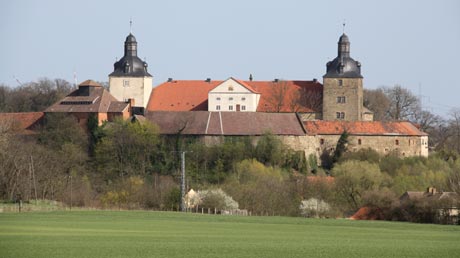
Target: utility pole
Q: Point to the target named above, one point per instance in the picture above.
(182, 180)
(182, 183)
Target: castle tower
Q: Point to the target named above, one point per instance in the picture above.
(130, 79)
(343, 86)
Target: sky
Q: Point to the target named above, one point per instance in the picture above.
(415, 44)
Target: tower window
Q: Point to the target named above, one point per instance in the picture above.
(396, 142)
(321, 141)
(340, 82)
(341, 99)
(125, 83)
(340, 115)
(359, 141)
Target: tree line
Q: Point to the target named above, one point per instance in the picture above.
(129, 165)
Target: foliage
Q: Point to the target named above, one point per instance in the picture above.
(314, 208)
(262, 190)
(33, 96)
(216, 199)
(127, 149)
(341, 147)
(354, 178)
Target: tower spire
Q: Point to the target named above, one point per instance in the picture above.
(343, 28)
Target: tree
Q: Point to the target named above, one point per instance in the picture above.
(341, 147)
(377, 102)
(403, 103)
(278, 95)
(127, 148)
(354, 178)
(33, 96)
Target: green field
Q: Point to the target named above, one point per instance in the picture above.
(163, 234)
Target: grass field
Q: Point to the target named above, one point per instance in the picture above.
(163, 234)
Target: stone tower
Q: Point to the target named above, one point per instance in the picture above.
(343, 86)
(130, 79)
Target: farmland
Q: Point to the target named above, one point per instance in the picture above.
(167, 234)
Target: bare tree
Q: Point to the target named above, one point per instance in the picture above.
(403, 104)
(278, 95)
(378, 102)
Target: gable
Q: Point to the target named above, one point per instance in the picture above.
(232, 86)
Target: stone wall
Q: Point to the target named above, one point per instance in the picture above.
(351, 89)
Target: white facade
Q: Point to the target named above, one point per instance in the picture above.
(137, 88)
(231, 95)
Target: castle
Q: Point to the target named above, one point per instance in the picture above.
(308, 116)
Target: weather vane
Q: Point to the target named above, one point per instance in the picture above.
(130, 25)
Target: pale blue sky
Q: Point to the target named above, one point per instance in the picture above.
(412, 43)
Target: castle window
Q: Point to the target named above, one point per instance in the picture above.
(218, 98)
(340, 82)
(321, 141)
(341, 99)
(340, 115)
(396, 142)
(230, 107)
(125, 83)
(359, 141)
(218, 107)
(230, 88)
(243, 108)
(231, 98)
(243, 98)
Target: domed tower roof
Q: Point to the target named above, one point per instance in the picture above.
(130, 64)
(343, 66)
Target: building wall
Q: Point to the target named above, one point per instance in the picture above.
(403, 146)
(231, 93)
(351, 89)
(137, 88)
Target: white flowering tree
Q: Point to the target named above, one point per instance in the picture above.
(314, 208)
(215, 199)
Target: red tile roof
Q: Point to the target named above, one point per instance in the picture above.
(21, 122)
(181, 96)
(223, 123)
(362, 128)
(185, 95)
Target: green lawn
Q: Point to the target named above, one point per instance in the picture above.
(162, 234)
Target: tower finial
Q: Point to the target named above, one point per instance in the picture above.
(343, 24)
(130, 25)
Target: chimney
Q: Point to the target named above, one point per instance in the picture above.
(276, 80)
(315, 80)
(208, 79)
(431, 190)
(131, 102)
(250, 77)
(170, 79)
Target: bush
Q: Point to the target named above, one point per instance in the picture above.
(216, 199)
